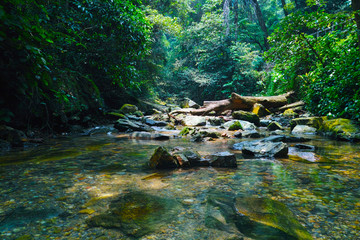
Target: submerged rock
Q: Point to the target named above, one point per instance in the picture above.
(284, 138)
(137, 214)
(306, 156)
(246, 116)
(162, 159)
(263, 218)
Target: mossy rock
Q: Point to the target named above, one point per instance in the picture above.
(162, 159)
(128, 109)
(185, 131)
(274, 126)
(246, 116)
(290, 113)
(315, 122)
(260, 110)
(137, 214)
(235, 126)
(118, 115)
(341, 128)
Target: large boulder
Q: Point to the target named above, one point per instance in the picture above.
(137, 214)
(246, 116)
(194, 121)
(222, 159)
(128, 109)
(342, 129)
(162, 159)
(264, 218)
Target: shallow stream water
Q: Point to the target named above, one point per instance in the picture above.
(49, 191)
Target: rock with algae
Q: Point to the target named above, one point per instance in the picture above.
(137, 214)
(263, 218)
(341, 128)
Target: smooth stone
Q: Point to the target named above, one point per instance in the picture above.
(251, 134)
(284, 138)
(305, 147)
(194, 121)
(262, 149)
(303, 129)
(306, 157)
(152, 122)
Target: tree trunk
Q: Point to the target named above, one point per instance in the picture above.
(283, 4)
(261, 23)
(237, 102)
(226, 11)
(356, 7)
(236, 17)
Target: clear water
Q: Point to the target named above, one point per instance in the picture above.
(49, 191)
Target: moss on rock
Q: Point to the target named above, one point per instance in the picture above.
(235, 126)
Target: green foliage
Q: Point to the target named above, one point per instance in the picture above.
(63, 57)
(185, 131)
(316, 55)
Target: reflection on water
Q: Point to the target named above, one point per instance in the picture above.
(56, 188)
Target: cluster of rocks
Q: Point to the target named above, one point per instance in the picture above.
(186, 158)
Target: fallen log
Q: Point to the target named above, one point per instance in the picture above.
(237, 102)
(291, 105)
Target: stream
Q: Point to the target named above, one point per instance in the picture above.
(51, 191)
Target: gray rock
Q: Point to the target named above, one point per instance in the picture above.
(194, 121)
(238, 134)
(152, 122)
(264, 122)
(303, 129)
(250, 134)
(222, 159)
(284, 138)
(124, 125)
(262, 149)
(15, 137)
(216, 121)
(149, 136)
(305, 147)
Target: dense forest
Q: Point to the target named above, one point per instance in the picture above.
(66, 61)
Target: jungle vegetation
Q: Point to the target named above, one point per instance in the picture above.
(64, 60)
